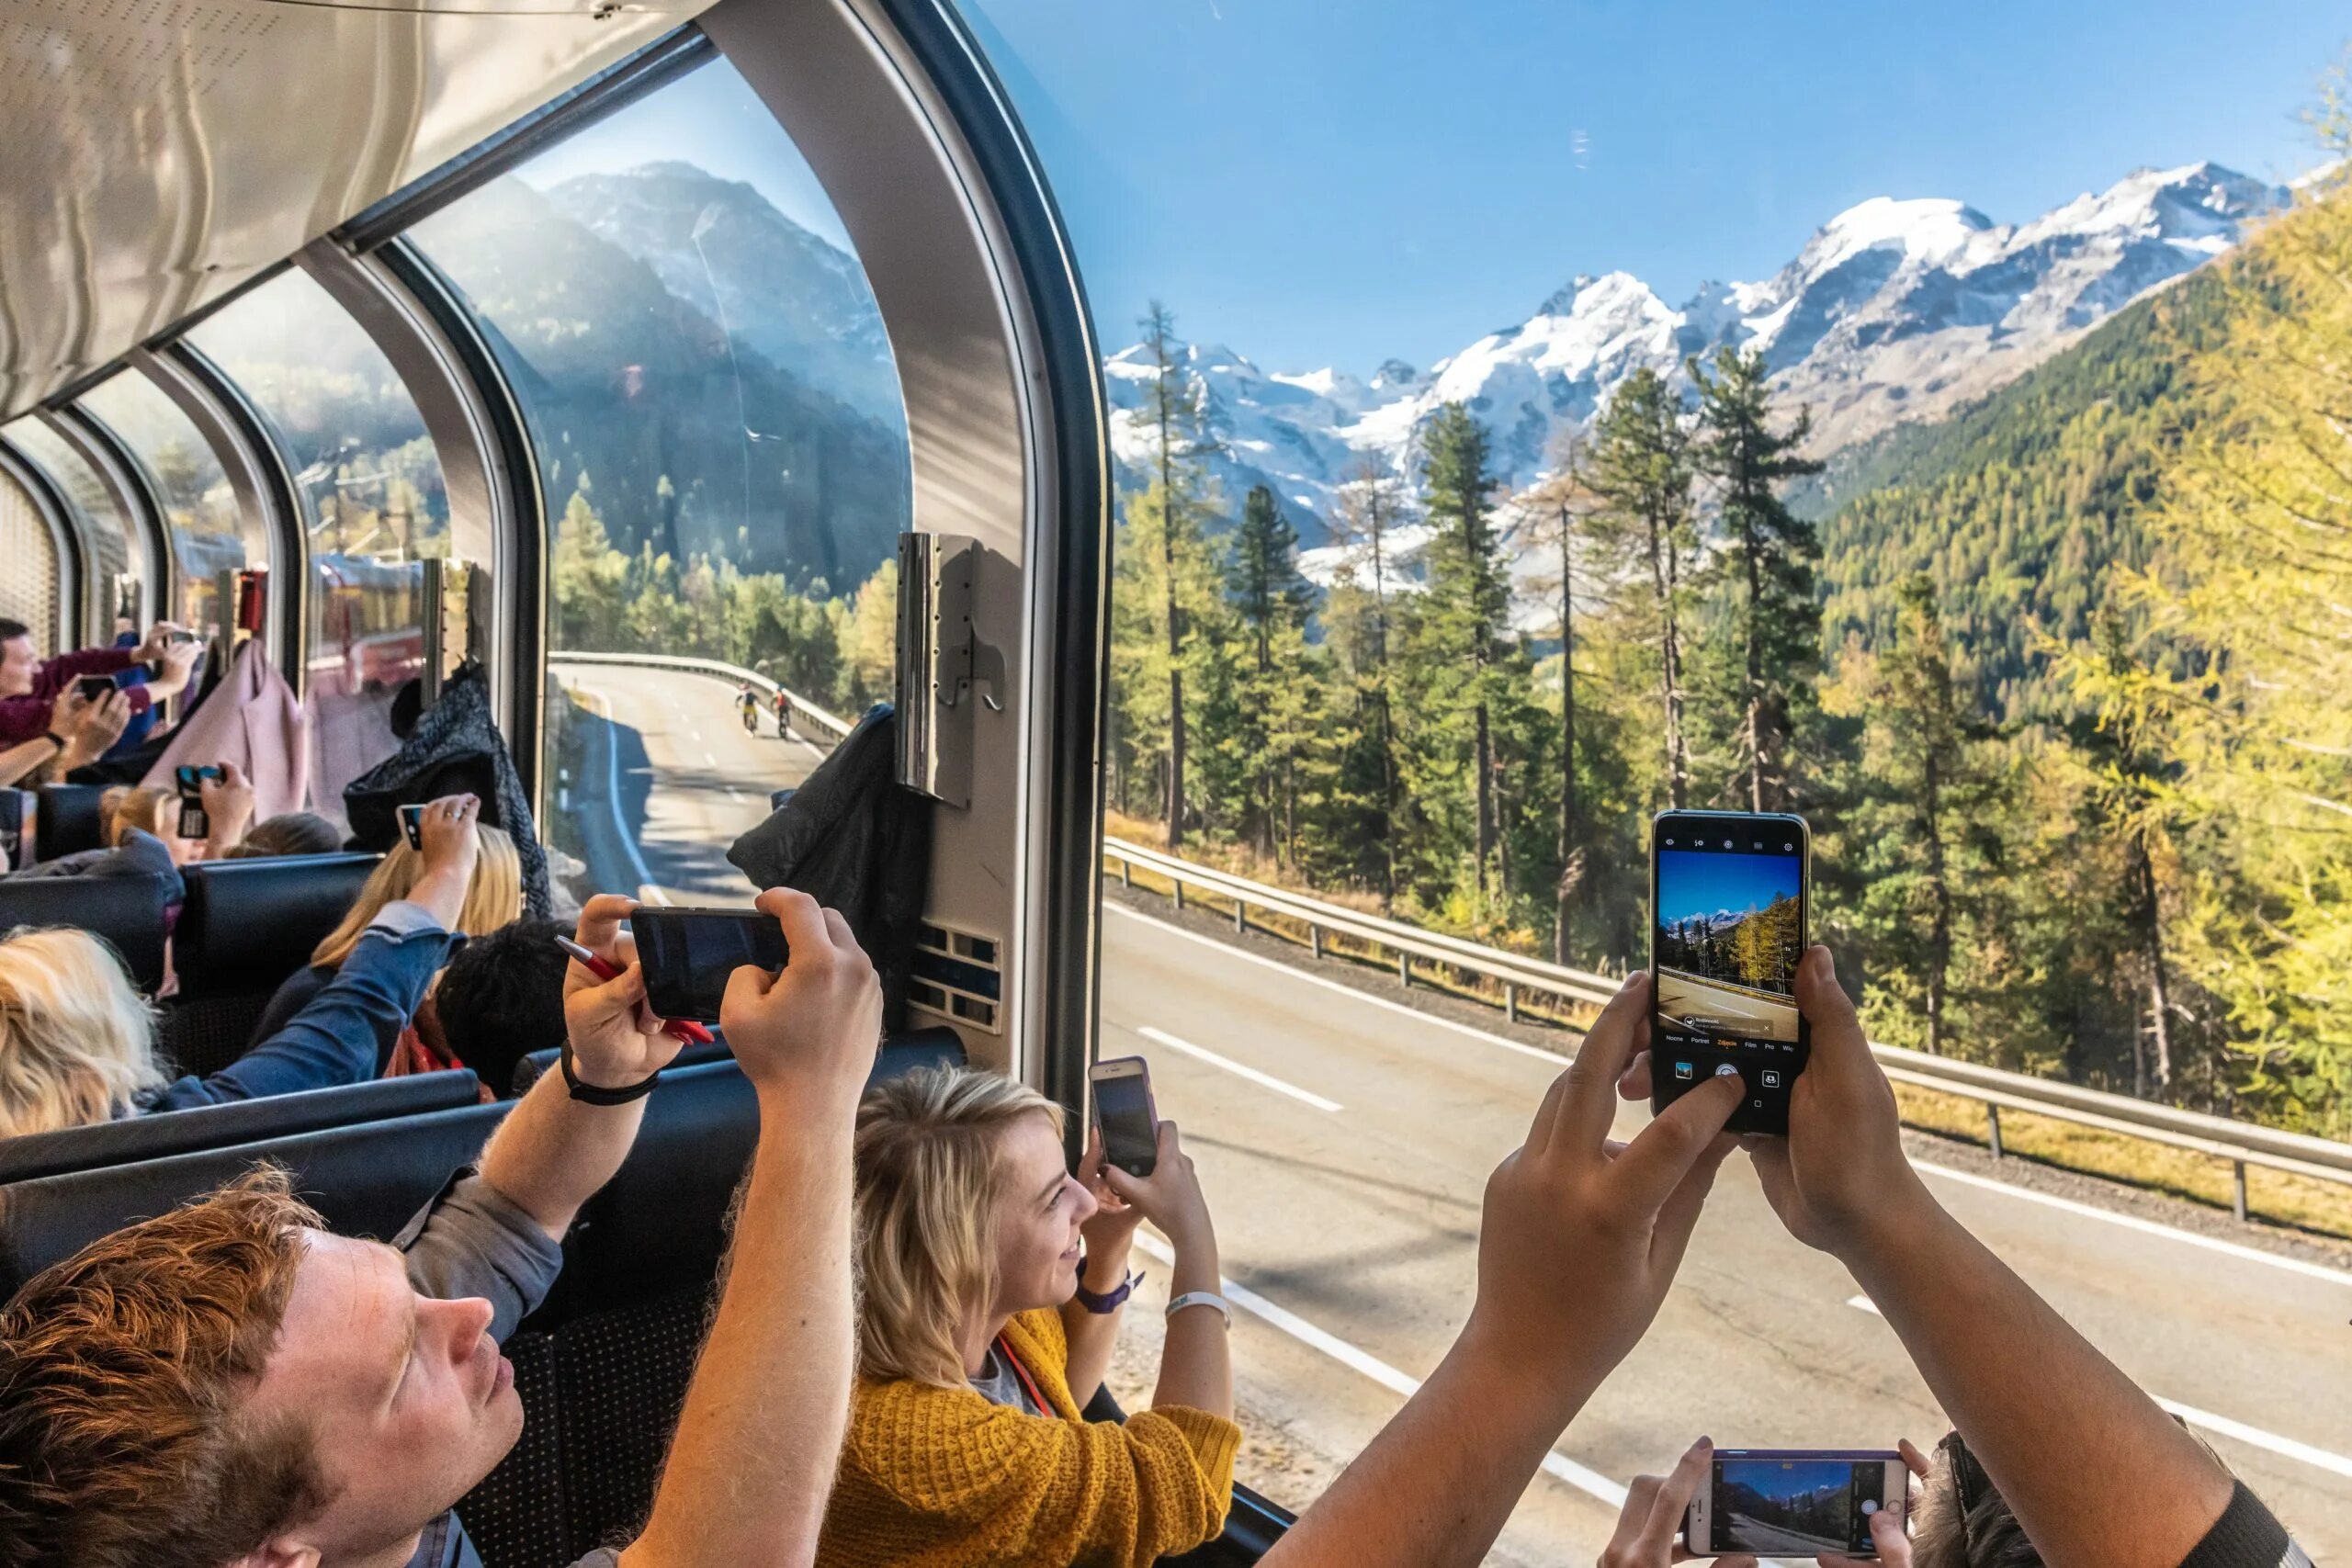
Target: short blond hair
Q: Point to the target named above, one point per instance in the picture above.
(77, 1044)
(494, 898)
(929, 1155)
(122, 1373)
(121, 808)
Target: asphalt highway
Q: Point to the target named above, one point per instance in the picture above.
(1345, 1140)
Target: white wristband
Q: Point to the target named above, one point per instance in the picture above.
(1201, 1299)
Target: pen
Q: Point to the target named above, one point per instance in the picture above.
(684, 1029)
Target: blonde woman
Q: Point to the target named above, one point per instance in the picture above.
(980, 1341)
(495, 898)
(77, 1044)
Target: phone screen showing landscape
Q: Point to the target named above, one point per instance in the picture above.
(1728, 933)
(1795, 1505)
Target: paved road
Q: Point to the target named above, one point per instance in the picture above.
(1724, 1010)
(671, 775)
(1346, 1163)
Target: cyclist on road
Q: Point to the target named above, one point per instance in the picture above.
(783, 714)
(747, 702)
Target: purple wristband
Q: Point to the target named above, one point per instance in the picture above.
(1110, 1301)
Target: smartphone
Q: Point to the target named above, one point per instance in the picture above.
(93, 688)
(1123, 1107)
(1793, 1501)
(689, 954)
(412, 825)
(179, 636)
(194, 823)
(1730, 895)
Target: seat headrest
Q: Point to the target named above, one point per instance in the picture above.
(233, 1122)
(128, 911)
(938, 1046)
(247, 924)
(368, 1180)
(66, 821)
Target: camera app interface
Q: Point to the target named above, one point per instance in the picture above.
(1795, 1505)
(1730, 933)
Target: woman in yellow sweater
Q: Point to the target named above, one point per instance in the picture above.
(980, 1341)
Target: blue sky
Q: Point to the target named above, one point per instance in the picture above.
(1788, 1478)
(1690, 884)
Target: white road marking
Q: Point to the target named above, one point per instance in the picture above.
(735, 795)
(710, 757)
(2149, 1227)
(2069, 1205)
(1237, 1069)
(693, 731)
(1556, 1464)
(1554, 1058)
(2254, 1437)
(646, 893)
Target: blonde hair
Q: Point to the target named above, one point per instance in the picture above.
(494, 898)
(928, 1152)
(77, 1044)
(122, 808)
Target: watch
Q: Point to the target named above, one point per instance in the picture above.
(590, 1094)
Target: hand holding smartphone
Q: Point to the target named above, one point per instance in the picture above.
(188, 782)
(93, 688)
(688, 955)
(1730, 896)
(1795, 1501)
(1124, 1108)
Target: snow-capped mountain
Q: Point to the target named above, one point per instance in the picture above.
(1894, 309)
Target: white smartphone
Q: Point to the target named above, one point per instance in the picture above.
(1794, 1500)
(1122, 1107)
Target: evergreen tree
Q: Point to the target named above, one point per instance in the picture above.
(1171, 411)
(1772, 551)
(1641, 470)
(1269, 600)
(1369, 505)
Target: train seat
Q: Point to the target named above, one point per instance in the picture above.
(127, 911)
(66, 821)
(246, 925)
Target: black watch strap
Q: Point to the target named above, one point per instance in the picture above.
(589, 1094)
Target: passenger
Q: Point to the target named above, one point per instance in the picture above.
(79, 732)
(30, 684)
(495, 898)
(500, 999)
(980, 1342)
(140, 832)
(77, 1044)
(232, 1386)
(287, 834)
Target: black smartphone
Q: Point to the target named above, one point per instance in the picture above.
(412, 825)
(93, 688)
(1730, 894)
(189, 783)
(688, 955)
(1796, 1500)
(179, 636)
(1123, 1107)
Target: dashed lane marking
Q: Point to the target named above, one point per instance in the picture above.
(1268, 1080)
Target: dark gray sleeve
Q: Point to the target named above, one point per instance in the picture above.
(470, 1241)
(2246, 1536)
(603, 1557)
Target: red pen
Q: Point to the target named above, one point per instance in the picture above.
(685, 1029)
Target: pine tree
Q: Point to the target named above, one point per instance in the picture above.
(1271, 601)
(1559, 510)
(1641, 470)
(1772, 551)
(1171, 411)
(1369, 506)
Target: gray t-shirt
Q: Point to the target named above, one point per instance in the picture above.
(470, 1241)
(999, 1384)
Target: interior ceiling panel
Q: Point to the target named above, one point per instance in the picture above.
(159, 152)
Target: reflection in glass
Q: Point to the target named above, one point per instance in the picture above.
(102, 522)
(721, 440)
(372, 499)
(199, 507)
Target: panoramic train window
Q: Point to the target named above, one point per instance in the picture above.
(29, 592)
(372, 501)
(207, 535)
(722, 444)
(102, 522)
(1525, 431)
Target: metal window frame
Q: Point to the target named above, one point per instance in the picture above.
(249, 452)
(489, 468)
(64, 522)
(132, 489)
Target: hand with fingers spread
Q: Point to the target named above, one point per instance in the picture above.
(451, 848)
(616, 1042)
(1650, 1528)
(814, 1027)
(96, 727)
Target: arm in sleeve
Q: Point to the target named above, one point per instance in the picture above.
(470, 1241)
(50, 678)
(2246, 1536)
(336, 1038)
(1043, 1489)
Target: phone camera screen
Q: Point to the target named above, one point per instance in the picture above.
(1795, 1505)
(689, 957)
(1728, 936)
(1123, 1105)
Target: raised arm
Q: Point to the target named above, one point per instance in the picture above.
(1580, 1239)
(555, 1150)
(2029, 1394)
(760, 1436)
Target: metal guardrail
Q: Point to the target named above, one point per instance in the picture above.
(802, 706)
(1994, 1088)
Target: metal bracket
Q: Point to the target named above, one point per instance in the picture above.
(943, 665)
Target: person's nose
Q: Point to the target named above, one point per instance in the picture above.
(1089, 1205)
(462, 1323)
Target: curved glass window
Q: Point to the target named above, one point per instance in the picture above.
(28, 590)
(722, 444)
(102, 522)
(208, 532)
(372, 501)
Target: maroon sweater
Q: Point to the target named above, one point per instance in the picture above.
(23, 718)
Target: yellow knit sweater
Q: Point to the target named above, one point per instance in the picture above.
(941, 1478)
